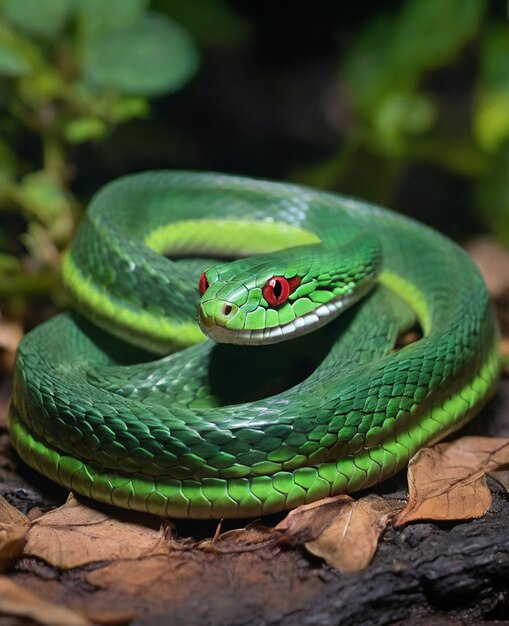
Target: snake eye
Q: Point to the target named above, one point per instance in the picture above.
(276, 291)
(203, 285)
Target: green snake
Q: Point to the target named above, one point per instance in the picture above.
(127, 402)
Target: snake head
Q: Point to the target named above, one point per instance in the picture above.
(258, 301)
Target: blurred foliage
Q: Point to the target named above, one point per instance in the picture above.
(399, 117)
(391, 86)
(71, 71)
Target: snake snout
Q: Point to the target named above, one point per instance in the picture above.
(216, 313)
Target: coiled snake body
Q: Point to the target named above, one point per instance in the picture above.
(170, 435)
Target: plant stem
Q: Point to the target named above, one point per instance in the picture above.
(54, 159)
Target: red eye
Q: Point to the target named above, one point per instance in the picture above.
(277, 289)
(203, 285)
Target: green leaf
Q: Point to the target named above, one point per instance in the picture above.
(40, 195)
(367, 70)
(40, 86)
(18, 55)
(11, 63)
(491, 122)
(400, 115)
(394, 52)
(154, 55)
(431, 32)
(85, 129)
(491, 118)
(9, 263)
(127, 108)
(40, 18)
(99, 15)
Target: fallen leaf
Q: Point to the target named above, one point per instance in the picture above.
(307, 522)
(253, 537)
(11, 515)
(504, 349)
(350, 541)
(492, 259)
(502, 477)
(448, 481)
(13, 529)
(35, 513)
(11, 333)
(18, 601)
(112, 618)
(152, 577)
(75, 535)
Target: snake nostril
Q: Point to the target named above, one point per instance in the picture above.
(227, 309)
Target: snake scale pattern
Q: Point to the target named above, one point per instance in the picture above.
(126, 401)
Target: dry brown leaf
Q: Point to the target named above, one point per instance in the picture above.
(253, 537)
(9, 515)
(350, 541)
(21, 602)
(502, 477)
(504, 349)
(34, 513)
(151, 576)
(493, 261)
(13, 528)
(112, 618)
(75, 535)
(448, 481)
(342, 531)
(11, 333)
(307, 522)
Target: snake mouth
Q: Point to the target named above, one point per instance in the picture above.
(265, 336)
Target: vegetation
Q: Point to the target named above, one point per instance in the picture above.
(72, 71)
(416, 82)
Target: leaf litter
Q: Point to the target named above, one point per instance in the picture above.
(18, 601)
(140, 555)
(448, 481)
(75, 535)
(492, 259)
(13, 529)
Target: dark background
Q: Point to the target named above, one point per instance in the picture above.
(402, 103)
